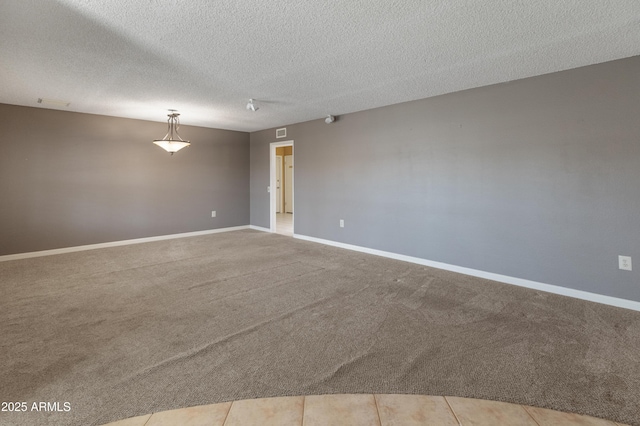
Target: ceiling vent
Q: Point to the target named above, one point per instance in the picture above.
(53, 102)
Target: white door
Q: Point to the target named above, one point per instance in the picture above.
(279, 208)
(288, 183)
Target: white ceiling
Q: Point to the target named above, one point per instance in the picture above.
(300, 60)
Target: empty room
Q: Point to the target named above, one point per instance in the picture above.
(319, 213)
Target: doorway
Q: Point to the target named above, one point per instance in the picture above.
(281, 207)
(279, 183)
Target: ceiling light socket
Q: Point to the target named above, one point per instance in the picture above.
(251, 106)
(330, 119)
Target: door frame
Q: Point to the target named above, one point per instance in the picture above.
(272, 181)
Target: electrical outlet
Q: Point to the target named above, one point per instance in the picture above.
(341, 223)
(624, 262)
(213, 213)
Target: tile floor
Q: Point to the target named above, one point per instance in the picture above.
(284, 224)
(363, 410)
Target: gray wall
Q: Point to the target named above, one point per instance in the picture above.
(69, 179)
(536, 179)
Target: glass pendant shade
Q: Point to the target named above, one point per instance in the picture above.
(172, 142)
(171, 146)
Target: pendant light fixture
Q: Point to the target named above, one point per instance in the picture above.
(168, 143)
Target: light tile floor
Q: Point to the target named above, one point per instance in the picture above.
(363, 410)
(284, 224)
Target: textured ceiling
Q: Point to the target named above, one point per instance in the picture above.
(300, 60)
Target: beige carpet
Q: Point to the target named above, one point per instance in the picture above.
(149, 327)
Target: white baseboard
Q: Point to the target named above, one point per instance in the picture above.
(117, 243)
(259, 228)
(578, 294)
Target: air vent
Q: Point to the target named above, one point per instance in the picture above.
(53, 102)
(281, 133)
